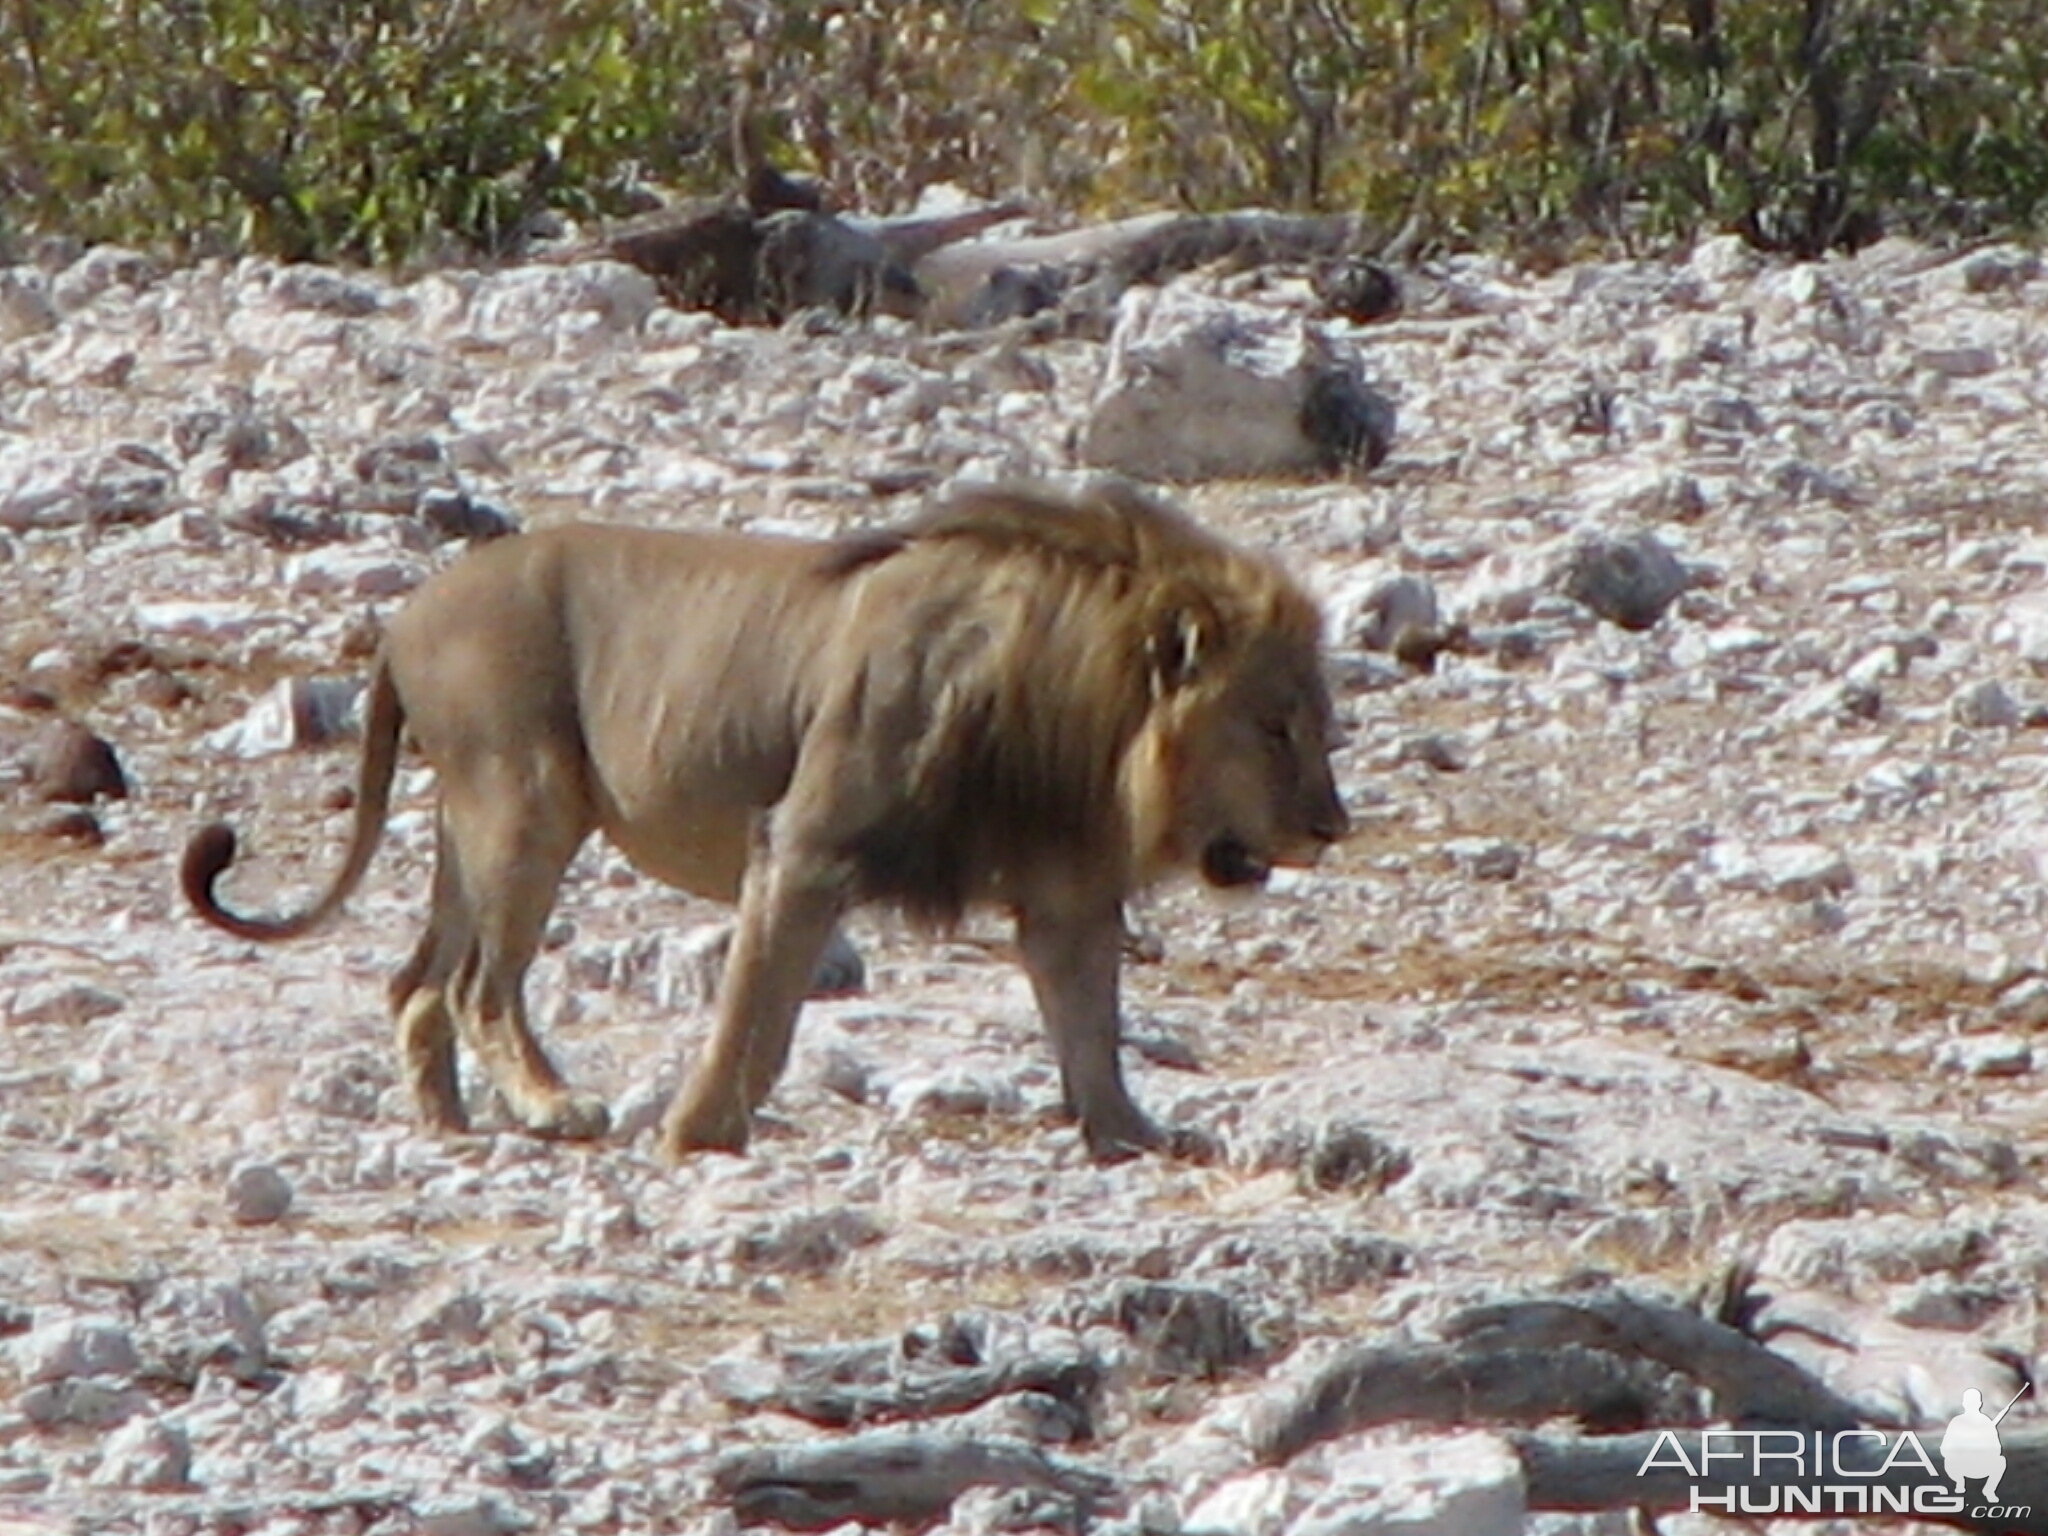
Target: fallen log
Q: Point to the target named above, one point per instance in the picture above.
(964, 283)
(844, 1389)
(1715, 1421)
(896, 1475)
(777, 251)
(766, 257)
(703, 255)
(1746, 1381)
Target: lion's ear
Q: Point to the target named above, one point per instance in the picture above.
(1182, 645)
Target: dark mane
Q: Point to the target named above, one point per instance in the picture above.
(1110, 526)
(852, 551)
(1015, 632)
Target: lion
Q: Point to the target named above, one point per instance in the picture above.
(1039, 702)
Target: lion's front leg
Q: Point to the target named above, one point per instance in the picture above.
(1072, 954)
(787, 914)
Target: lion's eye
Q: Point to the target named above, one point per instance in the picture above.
(1278, 731)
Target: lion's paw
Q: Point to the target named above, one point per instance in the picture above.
(703, 1129)
(574, 1117)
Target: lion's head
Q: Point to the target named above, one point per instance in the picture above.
(1229, 774)
(1119, 679)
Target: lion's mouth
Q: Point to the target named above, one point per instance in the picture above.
(1227, 861)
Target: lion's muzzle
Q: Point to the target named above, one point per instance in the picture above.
(1227, 862)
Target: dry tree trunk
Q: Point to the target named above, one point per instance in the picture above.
(1611, 1360)
(1646, 1379)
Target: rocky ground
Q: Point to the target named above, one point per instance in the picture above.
(1657, 950)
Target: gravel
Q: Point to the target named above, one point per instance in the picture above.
(1711, 931)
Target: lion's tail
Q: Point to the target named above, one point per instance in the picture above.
(212, 848)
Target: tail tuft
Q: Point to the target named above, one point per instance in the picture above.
(211, 850)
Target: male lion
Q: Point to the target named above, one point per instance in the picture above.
(1018, 698)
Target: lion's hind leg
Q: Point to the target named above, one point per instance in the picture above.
(510, 851)
(419, 1003)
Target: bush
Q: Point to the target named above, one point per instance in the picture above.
(386, 130)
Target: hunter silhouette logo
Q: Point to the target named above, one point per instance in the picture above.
(1859, 1471)
(1969, 1446)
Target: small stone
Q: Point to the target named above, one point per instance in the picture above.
(640, 1107)
(457, 1319)
(1482, 860)
(85, 1402)
(599, 1222)
(2024, 1004)
(1987, 1056)
(69, 763)
(840, 970)
(1347, 424)
(2024, 620)
(99, 270)
(1186, 1330)
(1163, 1050)
(958, 1092)
(807, 1242)
(258, 1195)
(464, 1515)
(1344, 1156)
(145, 1453)
(1893, 1248)
(1628, 581)
(76, 1346)
(1446, 754)
(1259, 1501)
(299, 713)
(455, 514)
(1958, 362)
(25, 307)
(1999, 269)
(351, 1090)
(1795, 871)
(328, 292)
(1195, 388)
(350, 573)
(846, 1073)
(1393, 609)
(1357, 289)
(1953, 1306)
(62, 1001)
(1470, 1484)
(211, 1325)
(328, 1399)
(1986, 706)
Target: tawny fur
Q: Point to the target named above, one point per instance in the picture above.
(1018, 698)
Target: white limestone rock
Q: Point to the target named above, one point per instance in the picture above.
(1197, 389)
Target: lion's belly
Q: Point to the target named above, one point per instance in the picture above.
(702, 851)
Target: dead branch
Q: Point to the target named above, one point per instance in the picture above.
(895, 1475)
(1613, 1361)
(844, 1389)
(1747, 1382)
(958, 280)
(1422, 1383)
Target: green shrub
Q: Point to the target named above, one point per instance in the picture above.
(388, 130)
